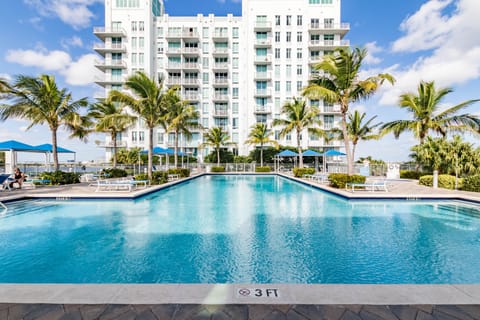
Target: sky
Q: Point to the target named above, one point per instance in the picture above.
(412, 40)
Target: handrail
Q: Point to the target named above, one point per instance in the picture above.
(4, 206)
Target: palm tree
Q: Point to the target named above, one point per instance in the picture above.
(110, 118)
(338, 82)
(360, 130)
(427, 116)
(42, 102)
(260, 134)
(299, 117)
(180, 117)
(149, 103)
(216, 138)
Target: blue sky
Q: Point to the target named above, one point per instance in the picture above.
(413, 40)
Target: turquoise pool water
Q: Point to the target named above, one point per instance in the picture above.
(239, 229)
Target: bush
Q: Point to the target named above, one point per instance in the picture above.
(445, 181)
(158, 177)
(410, 174)
(114, 173)
(263, 169)
(300, 172)
(60, 177)
(471, 183)
(340, 180)
(182, 172)
(218, 169)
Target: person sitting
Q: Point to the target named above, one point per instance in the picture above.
(18, 177)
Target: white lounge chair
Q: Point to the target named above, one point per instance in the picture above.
(375, 185)
(4, 181)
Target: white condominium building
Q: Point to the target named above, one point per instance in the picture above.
(236, 71)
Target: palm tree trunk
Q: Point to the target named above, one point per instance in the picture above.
(54, 149)
(175, 148)
(346, 140)
(261, 154)
(150, 153)
(299, 146)
(218, 156)
(114, 140)
(354, 146)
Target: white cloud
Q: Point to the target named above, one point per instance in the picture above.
(76, 72)
(74, 41)
(372, 49)
(72, 12)
(452, 61)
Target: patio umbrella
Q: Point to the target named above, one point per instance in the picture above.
(48, 149)
(13, 146)
(330, 153)
(285, 153)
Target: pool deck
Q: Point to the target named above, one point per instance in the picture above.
(240, 301)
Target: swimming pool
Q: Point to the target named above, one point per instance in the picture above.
(240, 229)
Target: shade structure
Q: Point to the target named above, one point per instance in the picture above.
(330, 153)
(157, 150)
(311, 153)
(287, 153)
(13, 145)
(47, 147)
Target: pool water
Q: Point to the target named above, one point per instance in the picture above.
(240, 229)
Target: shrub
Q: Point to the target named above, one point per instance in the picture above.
(300, 172)
(158, 177)
(340, 180)
(410, 174)
(60, 177)
(114, 173)
(218, 169)
(445, 181)
(182, 172)
(263, 169)
(471, 183)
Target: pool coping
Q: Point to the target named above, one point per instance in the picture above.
(371, 294)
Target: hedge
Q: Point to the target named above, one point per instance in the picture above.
(263, 169)
(114, 173)
(158, 177)
(60, 177)
(445, 181)
(410, 174)
(471, 183)
(300, 172)
(218, 169)
(182, 172)
(340, 180)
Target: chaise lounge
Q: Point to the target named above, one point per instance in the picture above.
(370, 186)
(4, 181)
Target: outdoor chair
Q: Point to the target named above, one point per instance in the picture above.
(4, 181)
(375, 185)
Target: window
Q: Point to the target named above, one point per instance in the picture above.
(328, 39)
(160, 137)
(261, 52)
(205, 107)
(141, 26)
(277, 86)
(116, 25)
(235, 77)
(289, 70)
(234, 123)
(299, 69)
(299, 85)
(277, 36)
(261, 35)
(277, 20)
(134, 58)
(141, 58)
(289, 36)
(235, 63)
(134, 26)
(288, 86)
(205, 77)
(299, 36)
(205, 47)
(141, 42)
(299, 53)
(117, 74)
(277, 70)
(205, 62)
(328, 23)
(205, 122)
(141, 136)
(235, 107)
(160, 32)
(289, 20)
(289, 53)
(235, 32)
(328, 122)
(134, 136)
(299, 20)
(235, 47)
(235, 92)
(205, 93)
(205, 32)
(261, 118)
(314, 23)
(277, 53)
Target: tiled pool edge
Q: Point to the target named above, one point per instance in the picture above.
(224, 294)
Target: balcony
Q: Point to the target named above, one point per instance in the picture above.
(262, 109)
(220, 66)
(331, 109)
(262, 26)
(102, 48)
(174, 51)
(220, 51)
(191, 51)
(220, 113)
(220, 81)
(174, 81)
(263, 43)
(191, 81)
(191, 65)
(263, 75)
(220, 35)
(109, 80)
(337, 28)
(190, 33)
(174, 34)
(263, 92)
(174, 66)
(263, 59)
(220, 97)
(328, 44)
(104, 33)
(191, 96)
(109, 144)
(110, 63)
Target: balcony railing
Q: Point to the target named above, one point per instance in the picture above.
(220, 34)
(220, 50)
(328, 43)
(220, 113)
(221, 96)
(263, 75)
(191, 65)
(109, 144)
(173, 65)
(116, 63)
(195, 81)
(263, 59)
(263, 92)
(262, 109)
(192, 96)
(191, 50)
(263, 25)
(329, 26)
(174, 50)
(220, 81)
(173, 81)
(109, 46)
(221, 65)
(263, 42)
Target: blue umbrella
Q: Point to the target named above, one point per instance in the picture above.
(287, 153)
(311, 153)
(47, 147)
(13, 145)
(330, 153)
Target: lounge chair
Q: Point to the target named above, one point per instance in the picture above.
(4, 181)
(119, 185)
(318, 177)
(380, 185)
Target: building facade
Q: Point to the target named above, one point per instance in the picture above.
(236, 71)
